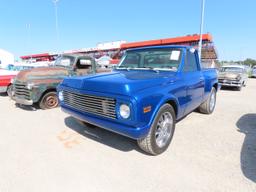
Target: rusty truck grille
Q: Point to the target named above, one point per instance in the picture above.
(101, 106)
(21, 91)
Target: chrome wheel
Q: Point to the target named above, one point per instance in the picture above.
(163, 129)
(212, 100)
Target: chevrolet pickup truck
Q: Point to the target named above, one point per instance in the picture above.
(152, 88)
(38, 85)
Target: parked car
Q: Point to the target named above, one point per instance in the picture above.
(253, 72)
(143, 98)
(233, 76)
(38, 85)
(5, 80)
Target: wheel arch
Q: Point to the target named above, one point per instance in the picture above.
(47, 90)
(171, 100)
(215, 85)
(173, 103)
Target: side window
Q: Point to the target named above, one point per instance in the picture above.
(132, 60)
(84, 64)
(190, 64)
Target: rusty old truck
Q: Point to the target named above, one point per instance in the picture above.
(38, 85)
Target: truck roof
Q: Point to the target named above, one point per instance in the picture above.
(75, 55)
(160, 47)
(237, 66)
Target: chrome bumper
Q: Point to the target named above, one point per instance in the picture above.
(3, 89)
(230, 83)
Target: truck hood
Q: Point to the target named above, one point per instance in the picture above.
(121, 82)
(229, 75)
(42, 73)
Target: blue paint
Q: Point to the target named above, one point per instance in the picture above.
(140, 89)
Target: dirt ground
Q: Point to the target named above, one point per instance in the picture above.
(51, 151)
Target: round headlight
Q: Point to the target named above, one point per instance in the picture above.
(30, 85)
(125, 111)
(60, 95)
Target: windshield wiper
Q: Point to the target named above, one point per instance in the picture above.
(157, 69)
(123, 67)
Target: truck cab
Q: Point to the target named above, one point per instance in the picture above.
(151, 89)
(38, 85)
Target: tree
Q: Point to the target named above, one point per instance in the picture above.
(250, 62)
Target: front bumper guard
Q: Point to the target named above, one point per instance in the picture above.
(3, 89)
(22, 101)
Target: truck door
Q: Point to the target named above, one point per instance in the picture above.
(194, 81)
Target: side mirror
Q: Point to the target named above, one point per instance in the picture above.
(192, 50)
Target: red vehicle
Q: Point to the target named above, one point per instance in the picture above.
(5, 80)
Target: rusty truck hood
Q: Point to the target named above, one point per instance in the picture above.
(228, 75)
(42, 74)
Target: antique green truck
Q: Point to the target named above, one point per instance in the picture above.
(38, 85)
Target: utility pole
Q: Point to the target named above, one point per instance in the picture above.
(29, 39)
(55, 2)
(201, 29)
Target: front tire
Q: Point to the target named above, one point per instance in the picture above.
(161, 131)
(208, 106)
(49, 101)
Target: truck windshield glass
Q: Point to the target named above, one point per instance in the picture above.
(232, 69)
(64, 61)
(152, 59)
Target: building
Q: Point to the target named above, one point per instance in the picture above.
(116, 49)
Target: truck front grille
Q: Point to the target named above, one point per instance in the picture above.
(101, 106)
(21, 91)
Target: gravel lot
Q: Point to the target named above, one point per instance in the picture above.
(50, 151)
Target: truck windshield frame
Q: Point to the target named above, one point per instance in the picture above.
(232, 69)
(155, 59)
(59, 60)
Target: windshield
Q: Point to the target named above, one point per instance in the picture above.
(64, 61)
(152, 58)
(232, 69)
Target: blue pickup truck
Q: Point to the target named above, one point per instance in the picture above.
(144, 96)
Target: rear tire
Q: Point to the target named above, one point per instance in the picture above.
(208, 106)
(161, 131)
(49, 100)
